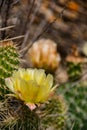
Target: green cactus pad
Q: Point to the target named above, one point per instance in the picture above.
(9, 60)
(76, 97)
(54, 114)
(15, 115)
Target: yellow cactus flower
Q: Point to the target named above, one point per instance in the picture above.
(31, 85)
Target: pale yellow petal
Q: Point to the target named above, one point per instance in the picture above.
(40, 76)
(26, 76)
(9, 84)
(45, 90)
(48, 83)
(30, 73)
(41, 94)
(32, 90)
(22, 89)
(16, 84)
(19, 73)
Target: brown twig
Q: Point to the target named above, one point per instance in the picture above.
(5, 18)
(29, 26)
(5, 28)
(13, 38)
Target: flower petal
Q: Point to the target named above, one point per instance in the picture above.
(48, 83)
(40, 76)
(9, 84)
(30, 73)
(32, 90)
(40, 95)
(31, 85)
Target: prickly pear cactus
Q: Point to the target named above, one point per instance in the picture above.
(76, 98)
(14, 115)
(54, 114)
(9, 60)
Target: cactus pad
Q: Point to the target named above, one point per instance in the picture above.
(9, 60)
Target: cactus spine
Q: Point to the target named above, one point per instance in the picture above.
(9, 60)
(14, 115)
(76, 98)
(54, 113)
(74, 70)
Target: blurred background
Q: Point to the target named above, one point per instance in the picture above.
(52, 35)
